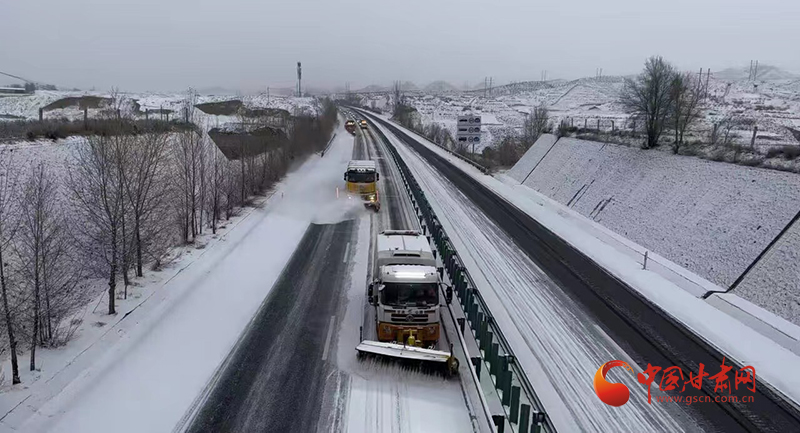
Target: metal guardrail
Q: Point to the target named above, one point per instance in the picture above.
(523, 409)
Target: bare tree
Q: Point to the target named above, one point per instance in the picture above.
(202, 173)
(534, 126)
(231, 187)
(189, 103)
(183, 161)
(687, 94)
(47, 264)
(8, 177)
(218, 173)
(144, 180)
(721, 130)
(38, 243)
(122, 149)
(96, 191)
(649, 97)
(189, 158)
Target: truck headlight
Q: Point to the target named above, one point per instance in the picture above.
(372, 197)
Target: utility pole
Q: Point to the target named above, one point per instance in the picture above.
(299, 80)
(267, 95)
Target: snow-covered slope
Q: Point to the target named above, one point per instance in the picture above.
(712, 218)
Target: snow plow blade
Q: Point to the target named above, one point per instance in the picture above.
(428, 360)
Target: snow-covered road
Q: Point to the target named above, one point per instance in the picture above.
(376, 397)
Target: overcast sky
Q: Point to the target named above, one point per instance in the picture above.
(249, 44)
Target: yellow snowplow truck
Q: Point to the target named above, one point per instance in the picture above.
(361, 178)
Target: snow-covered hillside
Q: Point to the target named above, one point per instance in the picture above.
(772, 102)
(27, 106)
(711, 218)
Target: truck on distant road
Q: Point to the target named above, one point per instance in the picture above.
(350, 126)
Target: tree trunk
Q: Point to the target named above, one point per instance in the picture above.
(112, 278)
(36, 301)
(12, 342)
(47, 326)
(137, 228)
(125, 262)
(677, 143)
(242, 163)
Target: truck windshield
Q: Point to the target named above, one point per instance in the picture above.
(400, 294)
(361, 176)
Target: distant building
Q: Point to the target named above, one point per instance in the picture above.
(13, 91)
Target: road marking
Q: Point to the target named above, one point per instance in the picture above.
(346, 252)
(328, 339)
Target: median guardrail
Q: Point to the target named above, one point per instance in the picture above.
(523, 409)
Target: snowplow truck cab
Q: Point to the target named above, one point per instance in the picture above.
(406, 289)
(361, 179)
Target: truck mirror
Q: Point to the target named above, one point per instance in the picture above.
(369, 290)
(345, 177)
(448, 294)
(377, 176)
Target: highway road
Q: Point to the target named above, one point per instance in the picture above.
(641, 329)
(294, 367)
(275, 379)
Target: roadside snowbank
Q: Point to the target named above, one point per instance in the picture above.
(711, 218)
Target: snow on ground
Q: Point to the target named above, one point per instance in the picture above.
(556, 349)
(27, 106)
(730, 336)
(709, 217)
(167, 349)
(774, 283)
